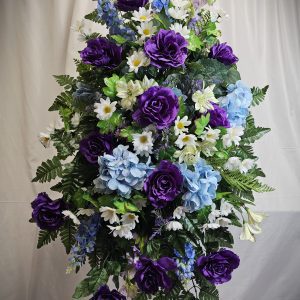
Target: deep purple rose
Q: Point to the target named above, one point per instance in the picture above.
(218, 266)
(105, 294)
(102, 53)
(164, 184)
(158, 106)
(223, 53)
(218, 117)
(167, 49)
(130, 5)
(47, 213)
(152, 275)
(95, 145)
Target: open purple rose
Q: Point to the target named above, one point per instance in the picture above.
(218, 117)
(130, 5)
(164, 184)
(167, 49)
(47, 213)
(95, 145)
(158, 106)
(102, 53)
(104, 293)
(218, 266)
(223, 53)
(151, 275)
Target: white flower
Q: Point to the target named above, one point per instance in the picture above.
(128, 92)
(85, 212)
(233, 164)
(45, 139)
(142, 15)
(181, 3)
(105, 109)
(186, 140)
(69, 214)
(211, 135)
(143, 143)
(246, 165)
(146, 84)
(223, 222)
(181, 124)
(233, 136)
(209, 149)
(225, 208)
(183, 30)
(75, 119)
(146, 30)
(136, 60)
(130, 219)
(190, 155)
(249, 232)
(109, 214)
(255, 218)
(203, 99)
(80, 27)
(178, 13)
(179, 212)
(122, 231)
(174, 226)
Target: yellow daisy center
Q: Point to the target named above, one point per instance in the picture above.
(136, 62)
(186, 139)
(180, 125)
(143, 18)
(107, 109)
(146, 31)
(144, 139)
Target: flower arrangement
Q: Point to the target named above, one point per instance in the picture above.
(154, 156)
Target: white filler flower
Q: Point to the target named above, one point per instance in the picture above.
(137, 60)
(186, 140)
(105, 109)
(204, 99)
(181, 124)
(146, 30)
(183, 30)
(143, 143)
(109, 214)
(233, 136)
(142, 15)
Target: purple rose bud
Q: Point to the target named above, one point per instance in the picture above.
(223, 53)
(102, 53)
(130, 5)
(105, 293)
(47, 213)
(164, 184)
(218, 117)
(95, 145)
(167, 49)
(158, 106)
(152, 275)
(218, 266)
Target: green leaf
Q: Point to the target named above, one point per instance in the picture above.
(110, 125)
(111, 90)
(64, 143)
(127, 133)
(48, 170)
(254, 134)
(65, 81)
(67, 235)
(93, 16)
(64, 100)
(209, 293)
(182, 107)
(201, 124)
(163, 19)
(258, 95)
(125, 207)
(119, 39)
(45, 237)
(194, 42)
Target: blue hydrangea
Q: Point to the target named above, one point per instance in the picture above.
(109, 14)
(121, 172)
(158, 5)
(237, 103)
(202, 184)
(185, 264)
(85, 240)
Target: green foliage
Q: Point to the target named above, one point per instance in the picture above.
(163, 20)
(64, 100)
(46, 237)
(65, 81)
(48, 170)
(64, 143)
(111, 90)
(259, 95)
(67, 233)
(125, 207)
(128, 131)
(219, 238)
(194, 42)
(253, 133)
(93, 16)
(119, 39)
(110, 125)
(201, 124)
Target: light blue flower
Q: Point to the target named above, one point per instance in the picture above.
(237, 103)
(121, 172)
(202, 184)
(158, 5)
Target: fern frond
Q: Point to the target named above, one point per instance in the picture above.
(67, 234)
(64, 100)
(65, 81)
(48, 170)
(45, 237)
(258, 95)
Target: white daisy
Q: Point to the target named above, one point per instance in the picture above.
(178, 13)
(143, 143)
(109, 214)
(142, 15)
(181, 3)
(130, 219)
(136, 60)
(85, 212)
(204, 99)
(233, 136)
(181, 124)
(209, 149)
(146, 84)
(70, 215)
(105, 109)
(233, 164)
(211, 135)
(174, 226)
(146, 30)
(186, 140)
(189, 155)
(183, 30)
(122, 231)
(179, 212)
(45, 139)
(246, 165)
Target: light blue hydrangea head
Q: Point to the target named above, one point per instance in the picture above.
(237, 103)
(121, 172)
(158, 5)
(202, 184)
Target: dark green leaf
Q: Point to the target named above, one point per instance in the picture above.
(45, 237)
(48, 170)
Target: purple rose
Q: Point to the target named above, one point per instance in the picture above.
(218, 117)
(105, 294)
(152, 275)
(167, 49)
(164, 184)
(130, 5)
(47, 213)
(95, 145)
(102, 53)
(217, 267)
(223, 53)
(159, 106)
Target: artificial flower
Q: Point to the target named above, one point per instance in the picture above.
(75, 119)
(210, 135)
(105, 293)
(130, 5)
(178, 13)
(143, 143)
(174, 226)
(181, 29)
(146, 30)
(45, 139)
(136, 60)
(255, 217)
(218, 117)
(85, 212)
(186, 140)
(223, 53)
(109, 214)
(207, 148)
(142, 15)
(232, 164)
(73, 217)
(249, 232)
(204, 99)
(233, 136)
(146, 84)
(105, 109)
(130, 219)
(188, 155)
(181, 124)
(246, 165)
(179, 212)
(122, 231)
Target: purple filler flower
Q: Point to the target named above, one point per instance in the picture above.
(218, 266)
(167, 49)
(102, 53)
(95, 145)
(218, 117)
(159, 106)
(47, 213)
(164, 184)
(223, 53)
(104, 293)
(151, 275)
(130, 5)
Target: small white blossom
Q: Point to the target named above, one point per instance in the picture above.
(233, 136)
(174, 226)
(137, 60)
(85, 212)
(70, 215)
(181, 124)
(130, 219)
(143, 143)
(122, 231)
(255, 218)
(233, 164)
(178, 13)
(105, 109)
(204, 99)
(75, 119)
(146, 84)
(181, 3)
(186, 140)
(142, 15)
(183, 30)
(249, 232)
(211, 135)
(109, 214)
(45, 139)
(189, 155)
(179, 212)
(146, 30)
(225, 208)
(246, 165)
(209, 149)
